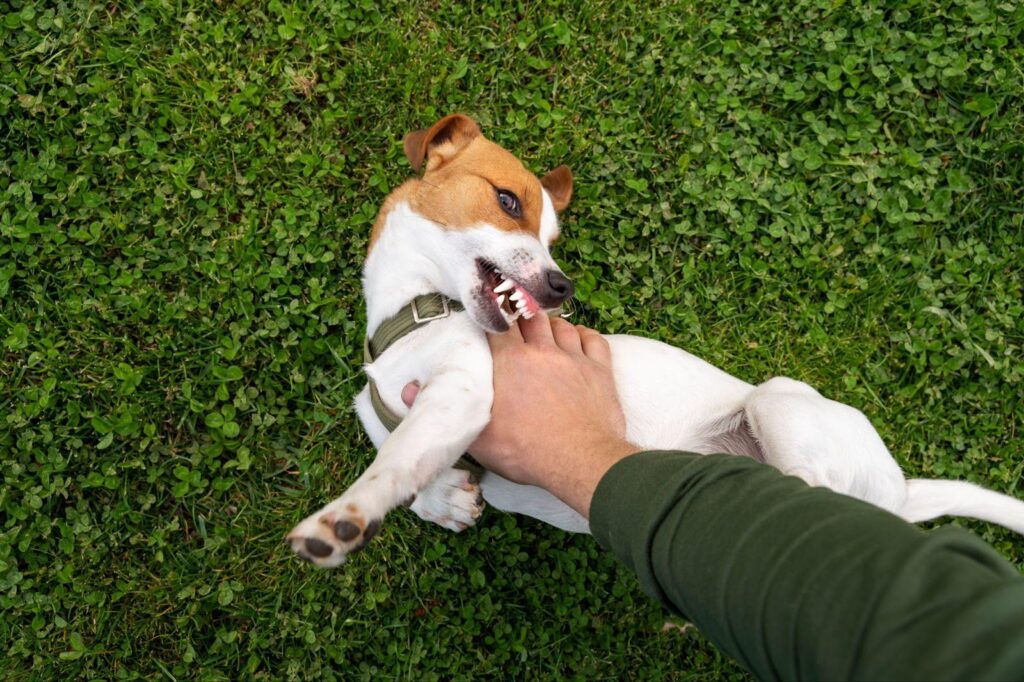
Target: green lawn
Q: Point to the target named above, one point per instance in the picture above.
(824, 189)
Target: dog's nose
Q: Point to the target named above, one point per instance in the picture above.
(557, 287)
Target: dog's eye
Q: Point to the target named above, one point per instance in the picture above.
(509, 203)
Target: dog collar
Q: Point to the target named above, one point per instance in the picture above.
(420, 312)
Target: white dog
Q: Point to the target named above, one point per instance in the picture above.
(476, 228)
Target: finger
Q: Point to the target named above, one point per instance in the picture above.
(537, 329)
(514, 333)
(594, 345)
(505, 340)
(410, 392)
(566, 336)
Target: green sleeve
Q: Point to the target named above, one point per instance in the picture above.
(802, 583)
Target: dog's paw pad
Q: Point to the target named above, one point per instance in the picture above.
(346, 530)
(325, 540)
(350, 531)
(318, 548)
(315, 550)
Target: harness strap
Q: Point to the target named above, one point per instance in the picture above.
(419, 313)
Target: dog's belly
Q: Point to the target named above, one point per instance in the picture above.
(671, 400)
(674, 400)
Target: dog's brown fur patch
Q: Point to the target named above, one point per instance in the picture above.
(464, 171)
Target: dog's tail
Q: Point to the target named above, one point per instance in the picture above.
(928, 499)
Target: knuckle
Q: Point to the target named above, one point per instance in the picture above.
(547, 353)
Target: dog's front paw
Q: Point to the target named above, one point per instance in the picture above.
(329, 536)
(452, 500)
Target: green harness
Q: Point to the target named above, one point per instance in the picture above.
(419, 313)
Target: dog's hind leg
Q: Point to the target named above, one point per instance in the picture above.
(530, 500)
(450, 411)
(452, 500)
(823, 442)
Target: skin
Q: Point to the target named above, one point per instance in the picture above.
(556, 420)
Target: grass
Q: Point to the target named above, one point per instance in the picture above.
(823, 189)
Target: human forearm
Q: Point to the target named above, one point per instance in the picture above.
(575, 480)
(802, 583)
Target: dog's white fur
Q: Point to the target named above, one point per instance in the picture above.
(670, 398)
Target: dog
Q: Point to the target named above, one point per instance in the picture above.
(477, 228)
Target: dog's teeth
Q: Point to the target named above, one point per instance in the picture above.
(521, 304)
(517, 296)
(527, 314)
(500, 299)
(516, 315)
(504, 286)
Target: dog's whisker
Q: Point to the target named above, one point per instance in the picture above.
(568, 308)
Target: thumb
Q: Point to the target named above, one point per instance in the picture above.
(410, 392)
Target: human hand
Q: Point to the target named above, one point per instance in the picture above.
(556, 420)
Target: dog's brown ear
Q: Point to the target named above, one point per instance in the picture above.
(441, 141)
(558, 183)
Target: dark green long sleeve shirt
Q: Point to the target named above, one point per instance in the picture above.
(802, 583)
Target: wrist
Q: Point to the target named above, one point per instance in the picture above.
(576, 480)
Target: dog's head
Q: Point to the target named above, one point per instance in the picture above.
(498, 218)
